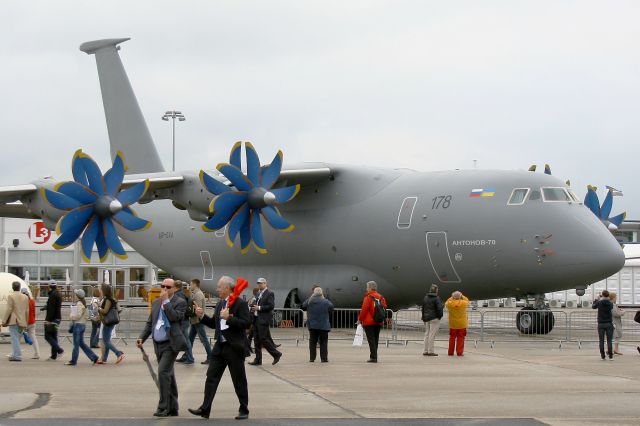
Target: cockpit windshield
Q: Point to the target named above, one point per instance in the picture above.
(556, 194)
(518, 196)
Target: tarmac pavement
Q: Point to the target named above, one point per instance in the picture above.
(512, 383)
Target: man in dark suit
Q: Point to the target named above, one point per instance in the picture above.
(230, 349)
(165, 325)
(263, 312)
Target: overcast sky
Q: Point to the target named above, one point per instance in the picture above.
(428, 85)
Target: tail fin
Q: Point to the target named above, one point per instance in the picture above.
(128, 131)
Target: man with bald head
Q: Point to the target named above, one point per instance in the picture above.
(230, 349)
(165, 326)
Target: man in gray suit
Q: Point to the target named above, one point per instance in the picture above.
(165, 324)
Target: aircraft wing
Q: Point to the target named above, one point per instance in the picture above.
(12, 193)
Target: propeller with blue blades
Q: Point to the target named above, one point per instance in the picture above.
(252, 199)
(94, 202)
(602, 212)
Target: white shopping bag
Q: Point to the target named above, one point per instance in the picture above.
(358, 338)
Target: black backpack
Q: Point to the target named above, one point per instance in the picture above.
(379, 313)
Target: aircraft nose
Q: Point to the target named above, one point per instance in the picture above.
(604, 253)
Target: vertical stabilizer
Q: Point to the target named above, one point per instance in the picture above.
(128, 131)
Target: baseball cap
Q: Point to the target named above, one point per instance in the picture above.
(53, 283)
(261, 280)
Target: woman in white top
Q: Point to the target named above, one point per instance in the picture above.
(79, 319)
(617, 314)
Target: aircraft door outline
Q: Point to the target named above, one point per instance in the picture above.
(207, 265)
(439, 257)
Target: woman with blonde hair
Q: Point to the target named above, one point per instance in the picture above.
(617, 314)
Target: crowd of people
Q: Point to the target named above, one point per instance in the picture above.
(177, 316)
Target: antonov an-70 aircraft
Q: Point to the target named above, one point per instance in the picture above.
(487, 233)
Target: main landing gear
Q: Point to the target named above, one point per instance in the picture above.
(536, 318)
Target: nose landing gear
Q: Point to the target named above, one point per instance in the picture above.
(535, 319)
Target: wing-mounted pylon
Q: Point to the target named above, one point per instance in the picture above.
(251, 198)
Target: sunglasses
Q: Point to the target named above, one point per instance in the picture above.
(166, 286)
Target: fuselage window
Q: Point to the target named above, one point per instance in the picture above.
(518, 196)
(406, 211)
(556, 194)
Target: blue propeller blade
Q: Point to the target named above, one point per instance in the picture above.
(286, 194)
(94, 175)
(75, 190)
(272, 172)
(237, 222)
(253, 164)
(617, 220)
(75, 218)
(60, 201)
(133, 194)
(245, 237)
(605, 210)
(592, 202)
(224, 206)
(89, 238)
(114, 176)
(111, 237)
(131, 222)
(275, 220)
(256, 232)
(235, 175)
(68, 237)
(234, 158)
(77, 169)
(212, 185)
(101, 243)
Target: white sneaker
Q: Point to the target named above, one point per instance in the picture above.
(35, 357)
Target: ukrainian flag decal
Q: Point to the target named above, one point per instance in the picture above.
(482, 192)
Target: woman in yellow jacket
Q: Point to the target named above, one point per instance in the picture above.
(457, 306)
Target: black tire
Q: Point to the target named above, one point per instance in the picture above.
(546, 322)
(532, 321)
(527, 320)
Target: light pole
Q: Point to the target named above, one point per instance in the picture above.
(173, 115)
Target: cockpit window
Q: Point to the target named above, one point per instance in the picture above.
(518, 196)
(556, 194)
(573, 195)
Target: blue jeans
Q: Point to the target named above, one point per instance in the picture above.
(188, 354)
(78, 343)
(106, 339)
(94, 340)
(15, 341)
(202, 335)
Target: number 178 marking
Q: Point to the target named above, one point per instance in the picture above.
(441, 201)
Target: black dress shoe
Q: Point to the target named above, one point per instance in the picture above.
(254, 362)
(205, 362)
(173, 413)
(198, 412)
(276, 359)
(242, 416)
(161, 413)
(181, 360)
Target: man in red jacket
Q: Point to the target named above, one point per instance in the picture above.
(371, 327)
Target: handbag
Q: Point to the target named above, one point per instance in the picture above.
(112, 317)
(359, 337)
(71, 326)
(637, 317)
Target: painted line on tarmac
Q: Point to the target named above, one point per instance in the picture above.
(289, 382)
(41, 401)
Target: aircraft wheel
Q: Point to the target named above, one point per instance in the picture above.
(527, 321)
(546, 321)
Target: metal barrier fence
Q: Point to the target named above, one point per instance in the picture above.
(402, 326)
